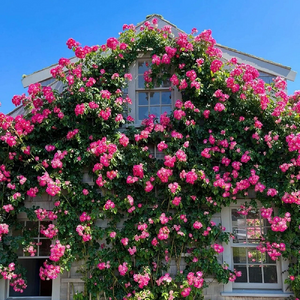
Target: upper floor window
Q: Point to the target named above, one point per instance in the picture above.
(155, 101)
(145, 101)
(267, 78)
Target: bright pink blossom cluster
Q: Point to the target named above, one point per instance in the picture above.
(49, 271)
(103, 265)
(164, 174)
(218, 248)
(280, 224)
(57, 251)
(8, 208)
(164, 279)
(50, 232)
(123, 269)
(15, 280)
(41, 214)
(142, 279)
(274, 250)
(85, 232)
(109, 205)
(195, 280)
(4, 229)
(31, 248)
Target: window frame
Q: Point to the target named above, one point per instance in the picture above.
(4, 284)
(134, 90)
(263, 289)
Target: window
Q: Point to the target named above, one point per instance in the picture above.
(261, 275)
(155, 153)
(267, 78)
(36, 287)
(145, 101)
(256, 267)
(155, 101)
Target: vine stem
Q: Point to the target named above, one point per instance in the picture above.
(157, 265)
(179, 259)
(169, 264)
(116, 280)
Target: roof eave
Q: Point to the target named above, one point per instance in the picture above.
(260, 63)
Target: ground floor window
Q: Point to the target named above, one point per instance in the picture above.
(32, 258)
(256, 267)
(35, 286)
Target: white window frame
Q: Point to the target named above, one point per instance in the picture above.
(4, 284)
(250, 289)
(133, 90)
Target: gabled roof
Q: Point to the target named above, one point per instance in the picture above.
(261, 64)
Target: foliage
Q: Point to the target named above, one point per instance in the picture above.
(144, 227)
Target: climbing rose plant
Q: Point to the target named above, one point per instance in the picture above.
(229, 134)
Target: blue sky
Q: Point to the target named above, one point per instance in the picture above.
(33, 33)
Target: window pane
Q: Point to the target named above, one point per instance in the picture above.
(270, 274)
(243, 269)
(255, 274)
(142, 66)
(33, 227)
(20, 251)
(166, 83)
(253, 234)
(35, 286)
(141, 82)
(155, 110)
(267, 79)
(238, 220)
(166, 98)
(45, 247)
(143, 112)
(166, 109)
(239, 255)
(239, 235)
(255, 257)
(154, 98)
(253, 218)
(143, 98)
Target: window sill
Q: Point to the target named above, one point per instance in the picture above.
(30, 298)
(257, 293)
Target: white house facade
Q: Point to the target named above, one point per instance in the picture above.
(263, 279)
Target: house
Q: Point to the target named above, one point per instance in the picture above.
(261, 277)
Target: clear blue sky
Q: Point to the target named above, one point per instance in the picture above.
(33, 33)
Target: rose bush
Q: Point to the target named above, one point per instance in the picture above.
(229, 133)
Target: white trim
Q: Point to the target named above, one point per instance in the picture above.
(253, 293)
(43, 74)
(253, 289)
(56, 288)
(259, 64)
(133, 90)
(4, 290)
(227, 254)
